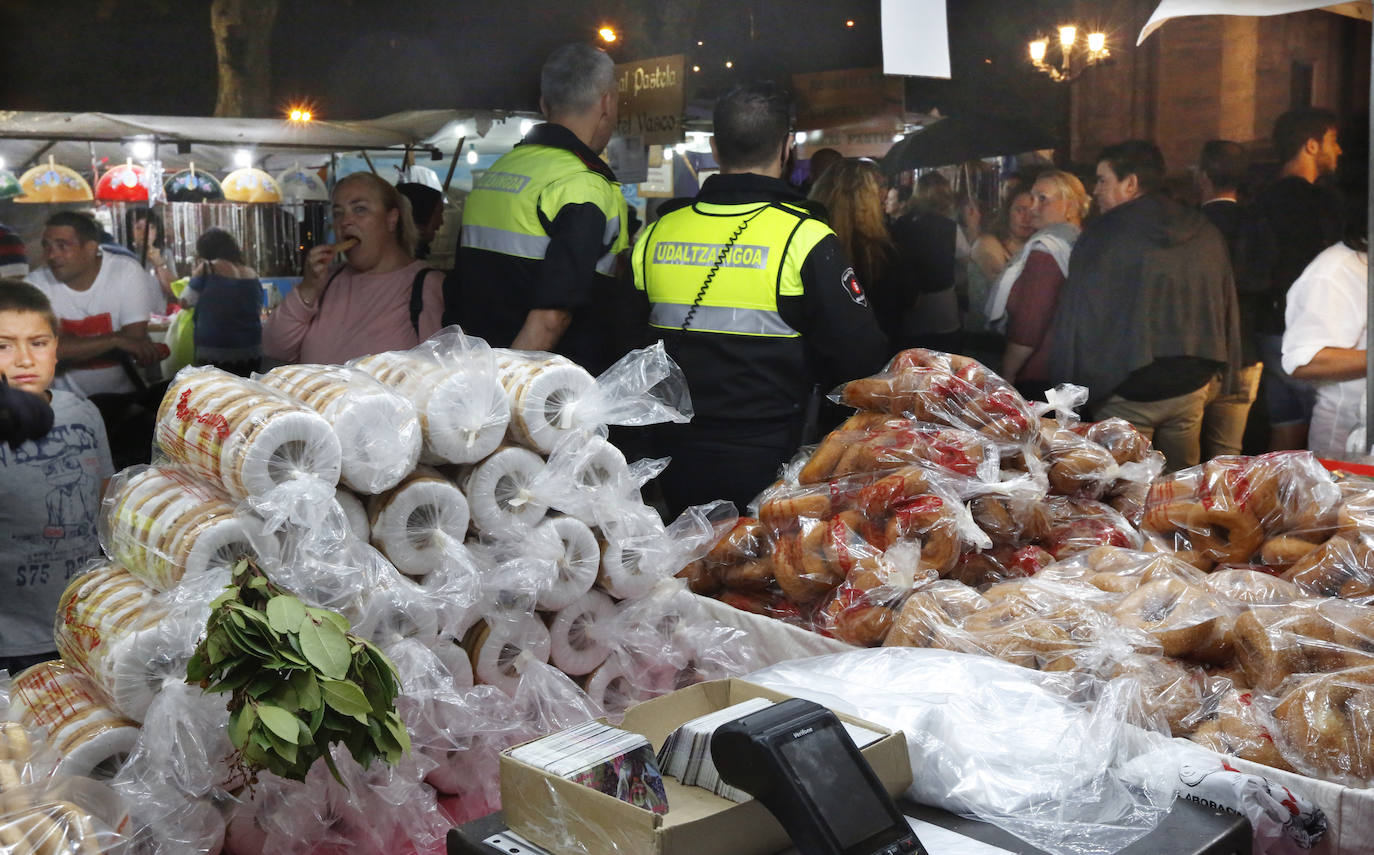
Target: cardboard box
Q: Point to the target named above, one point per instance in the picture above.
(562, 816)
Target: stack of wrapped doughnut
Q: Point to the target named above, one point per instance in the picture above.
(37, 818)
(1236, 593)
(519, 543)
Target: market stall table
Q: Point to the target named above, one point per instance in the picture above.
(1188, 829)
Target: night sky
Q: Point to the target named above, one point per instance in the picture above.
(365, 58)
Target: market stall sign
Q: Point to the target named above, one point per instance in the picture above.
(832, 99)
(653, 98)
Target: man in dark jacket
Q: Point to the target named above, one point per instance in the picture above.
(1148, 318)
(755, 300)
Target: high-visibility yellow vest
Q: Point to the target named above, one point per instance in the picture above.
(756, 250)
(540, 180)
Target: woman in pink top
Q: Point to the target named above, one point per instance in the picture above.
(363, 306)
(1030, 285)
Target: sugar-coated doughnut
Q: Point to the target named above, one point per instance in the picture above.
(1328, 721)
(1179, 616)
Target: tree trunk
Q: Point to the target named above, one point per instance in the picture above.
(243, 42)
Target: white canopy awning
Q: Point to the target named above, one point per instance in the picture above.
(1184, 8)
(71, 137)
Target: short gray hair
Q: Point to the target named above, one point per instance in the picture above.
(575, 77)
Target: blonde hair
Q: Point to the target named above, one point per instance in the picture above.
(852, 193)
(1070, 188)
(407, 236)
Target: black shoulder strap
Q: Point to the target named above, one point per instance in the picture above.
(417, 296)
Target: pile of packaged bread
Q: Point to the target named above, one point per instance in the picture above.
(949, 512)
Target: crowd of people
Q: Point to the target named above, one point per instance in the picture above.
(1175, 317)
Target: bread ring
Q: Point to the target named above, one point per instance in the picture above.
(1175, 613)
(1081, 468)
(749, 575)
(1120, 438)
(1169, 688)
(1275, 642)
(800, 567)
(1284, 550)
(1218, 533)
(883, 496)
(1251, 587)
(1337, 568)
(824, 458)
(994, 516)
(701, 577)
(781, 511)
(927, 518)
(1326, 720)
(931, 617)
(1241, 728)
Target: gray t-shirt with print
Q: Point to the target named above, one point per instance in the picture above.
(48, 520)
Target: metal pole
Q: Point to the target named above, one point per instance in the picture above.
(1369, 275)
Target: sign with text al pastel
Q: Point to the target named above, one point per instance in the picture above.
(653, 98)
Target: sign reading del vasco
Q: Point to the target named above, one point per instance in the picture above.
(653, 98)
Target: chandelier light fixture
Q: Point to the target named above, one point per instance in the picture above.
(1075, 55)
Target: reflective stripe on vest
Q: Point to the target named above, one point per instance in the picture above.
(674, 259)
(510, 203)
(720, 319)
(505, 242)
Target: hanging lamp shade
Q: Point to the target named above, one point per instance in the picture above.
(52, 182)
(193, 185)
(123, 183)
(302, 184)
(250, 184)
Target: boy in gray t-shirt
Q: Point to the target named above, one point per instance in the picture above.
(52, 486)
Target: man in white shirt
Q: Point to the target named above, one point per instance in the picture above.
(101, 302)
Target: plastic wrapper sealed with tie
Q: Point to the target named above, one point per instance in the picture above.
(377, 427)
(451, 379)
(551, 396)
(1011, 769)
(946, 389)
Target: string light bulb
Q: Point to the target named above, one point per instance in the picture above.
(472, 154)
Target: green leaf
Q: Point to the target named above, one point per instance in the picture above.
(198, 667)
(241, 721)
(307, 690)
(284, 748)
(345, 697)
(339, 621)
(285, 613)
(279, 722)
(325, 647)
(398, 730)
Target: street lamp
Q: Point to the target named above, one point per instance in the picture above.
(1075, 55)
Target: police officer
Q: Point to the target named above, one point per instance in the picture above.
(542, 227)
(754, 299)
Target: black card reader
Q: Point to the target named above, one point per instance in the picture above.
(796, 758)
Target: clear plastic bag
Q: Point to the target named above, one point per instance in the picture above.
(1272, 509)
(1324, 724)
(1000, 771)
(177, 772)
(947, 389)
(378, 429)
(874, 442)
(242, 435)
(162, 525)
(421, 523)
(451, 379)
(65, 814)
(91, 739)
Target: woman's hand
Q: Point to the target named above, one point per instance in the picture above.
(316, 274)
